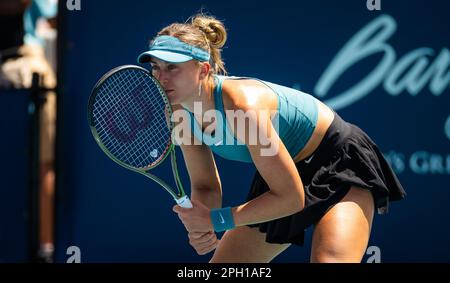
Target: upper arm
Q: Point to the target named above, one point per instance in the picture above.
(274, 162)
(268, 152)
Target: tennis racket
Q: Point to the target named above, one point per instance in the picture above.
(129, 116)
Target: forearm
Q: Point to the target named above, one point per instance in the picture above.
(266, 207)
(212, 198)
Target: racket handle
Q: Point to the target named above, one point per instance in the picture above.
(184, 202)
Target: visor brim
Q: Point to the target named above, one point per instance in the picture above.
(166, 56)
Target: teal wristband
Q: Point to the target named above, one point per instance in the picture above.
(222, 219)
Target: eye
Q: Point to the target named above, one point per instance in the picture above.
(172, 67)
(154, 69)
(155, 73)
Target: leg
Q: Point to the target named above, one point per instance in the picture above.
(46, 204)
(343, 232)
(47, 190)
(246, 245)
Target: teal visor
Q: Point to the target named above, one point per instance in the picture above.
(173, 50)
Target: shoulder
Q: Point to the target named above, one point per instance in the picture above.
(247, 94)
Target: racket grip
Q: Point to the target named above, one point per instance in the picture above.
(184, 202)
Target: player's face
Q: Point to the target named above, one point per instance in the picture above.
(180, 81)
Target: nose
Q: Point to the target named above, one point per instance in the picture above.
(162, 77)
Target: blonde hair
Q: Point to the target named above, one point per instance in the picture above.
(205, 32)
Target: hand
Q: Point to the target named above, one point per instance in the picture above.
(195, 219)
(203, 243)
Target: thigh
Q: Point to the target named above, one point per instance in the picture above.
(343, 232)
(246, 245)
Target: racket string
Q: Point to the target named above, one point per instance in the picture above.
(122, 103)
(136, 154)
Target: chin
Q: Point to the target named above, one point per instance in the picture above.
(174, 100)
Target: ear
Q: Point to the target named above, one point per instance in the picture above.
(204, 70)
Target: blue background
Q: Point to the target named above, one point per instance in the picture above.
(15, 218)
(114, 215)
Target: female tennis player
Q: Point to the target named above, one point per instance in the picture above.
(313, 168)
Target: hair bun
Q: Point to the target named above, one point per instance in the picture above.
(213, 29)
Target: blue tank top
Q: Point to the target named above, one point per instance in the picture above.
(296, 117)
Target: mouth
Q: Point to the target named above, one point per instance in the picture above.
(169, 91)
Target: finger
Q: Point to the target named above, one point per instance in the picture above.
(206, 238)
(178, 209)
(191, 226)
(199, 245)
(204, 244)
(209, 248)
(196, 235)
(184, 209)
(199, 235)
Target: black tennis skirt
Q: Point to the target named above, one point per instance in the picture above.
(345, 157)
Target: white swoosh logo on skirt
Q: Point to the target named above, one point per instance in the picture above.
(309, 159)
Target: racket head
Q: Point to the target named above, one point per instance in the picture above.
(129, 117)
